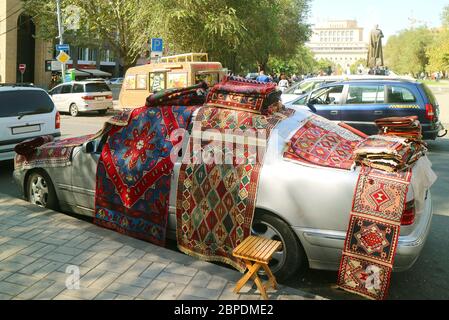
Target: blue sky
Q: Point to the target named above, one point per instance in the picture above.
(391, 15)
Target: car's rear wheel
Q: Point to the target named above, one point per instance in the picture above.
(74, 112)
(291, 259)
(40, 190)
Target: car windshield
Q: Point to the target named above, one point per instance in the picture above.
(22, 102)
(97, 87)
(303, 87)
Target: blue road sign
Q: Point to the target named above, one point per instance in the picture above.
(62, 47)
(157, 45)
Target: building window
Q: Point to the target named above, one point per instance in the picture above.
(92, 55)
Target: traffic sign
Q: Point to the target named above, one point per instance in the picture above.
(157, 45)
(63, 57)
(62, 47)
(22, 68)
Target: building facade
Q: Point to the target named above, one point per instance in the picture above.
(341, 42)
(18, 45)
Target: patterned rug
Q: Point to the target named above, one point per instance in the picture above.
(194, 95)
(373, 233)
(52, 154)
(389, 153)
(218, 182)
(134, 172)
(323, 143)
(245, 95)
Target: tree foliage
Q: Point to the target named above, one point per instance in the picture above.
(302, 62)
(438, 52)
(240, 34)
(407, 51)
(121, 24)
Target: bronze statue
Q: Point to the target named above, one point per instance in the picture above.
(375, 51)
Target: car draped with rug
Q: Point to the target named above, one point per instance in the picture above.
(210, 167)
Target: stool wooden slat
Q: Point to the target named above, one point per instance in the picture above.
(257, 253)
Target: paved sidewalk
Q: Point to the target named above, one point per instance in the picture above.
(39, 249)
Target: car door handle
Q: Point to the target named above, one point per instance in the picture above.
(334, 113)
(378, 112)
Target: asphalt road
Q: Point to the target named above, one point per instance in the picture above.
(429, 277)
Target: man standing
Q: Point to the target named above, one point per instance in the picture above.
(262, 77)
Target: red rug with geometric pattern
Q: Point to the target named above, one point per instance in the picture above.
(218, 181)
(323, 143)
(373, 232)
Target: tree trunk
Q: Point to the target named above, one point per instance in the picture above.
(74, 54)
(98, 59)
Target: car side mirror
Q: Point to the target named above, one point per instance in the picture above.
(311, 106)
(88, 147)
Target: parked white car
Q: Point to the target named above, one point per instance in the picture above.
(82, 96)
(25, 112)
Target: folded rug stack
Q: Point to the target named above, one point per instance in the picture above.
(405, 127)
(245, 95)
(389, 153)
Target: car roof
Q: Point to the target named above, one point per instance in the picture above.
(379, 81)
(361, 77)
(19, 88)
(81, 82)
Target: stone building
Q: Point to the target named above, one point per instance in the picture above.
(18, 46)
(340, 41)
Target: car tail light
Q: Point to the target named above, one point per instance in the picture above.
(430, 112)
(58, 121)
(408, 217)
(109, 97)
(88, 98)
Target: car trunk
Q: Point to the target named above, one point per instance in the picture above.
(25, 114)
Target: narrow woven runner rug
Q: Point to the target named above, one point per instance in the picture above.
(373, 233)
(216, 199)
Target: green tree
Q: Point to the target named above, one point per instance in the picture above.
(123, 25)
(438, 52)
(355, 66)
(240, 34)
(303, 62)
(407, 51)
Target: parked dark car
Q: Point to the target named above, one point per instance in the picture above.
(360, 102)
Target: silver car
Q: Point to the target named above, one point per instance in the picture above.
(305, 207)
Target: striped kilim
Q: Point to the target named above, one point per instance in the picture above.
(373, 232)
(218, 182)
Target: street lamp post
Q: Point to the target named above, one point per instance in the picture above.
(61, 32)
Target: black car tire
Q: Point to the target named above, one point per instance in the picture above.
(294, 260)
(73, 110)
(50, 198)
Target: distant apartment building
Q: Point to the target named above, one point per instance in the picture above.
(18, 45)
(340, 41)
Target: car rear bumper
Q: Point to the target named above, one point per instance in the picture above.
(7, 150)
(324, 248)
(431, 132)
(96, 106)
